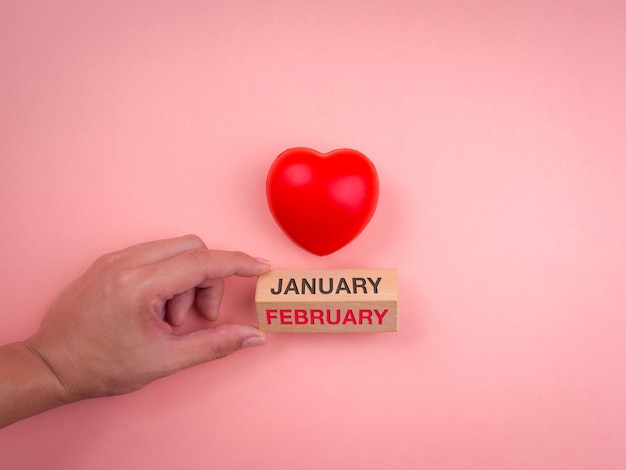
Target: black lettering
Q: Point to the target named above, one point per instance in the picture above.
(374, 284)
(279, 288)
(291, 286)
(343, 285)
(330, 286)
(305, 285)
(358, 283)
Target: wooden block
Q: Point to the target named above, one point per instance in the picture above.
(328, 301)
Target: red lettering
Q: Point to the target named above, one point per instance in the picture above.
(332, 316)
(365, 315)
(349, 318)
(337, 318)
(380, 316)
(301, 318)
(317, 315)
(285, 317)
(270, 315)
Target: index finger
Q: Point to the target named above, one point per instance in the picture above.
(157, 250)
(196, 268)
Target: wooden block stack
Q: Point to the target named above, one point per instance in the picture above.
(328, 301)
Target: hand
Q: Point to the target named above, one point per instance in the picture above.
(111, 331)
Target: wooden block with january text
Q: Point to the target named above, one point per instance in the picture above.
(328, 301)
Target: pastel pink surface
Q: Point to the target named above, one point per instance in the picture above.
(497, 130)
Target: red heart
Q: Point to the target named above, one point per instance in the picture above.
(322, 201)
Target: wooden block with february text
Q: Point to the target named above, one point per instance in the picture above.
(328, 301)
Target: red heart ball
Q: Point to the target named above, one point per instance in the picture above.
(322, 201)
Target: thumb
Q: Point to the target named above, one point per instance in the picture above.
(209, 344)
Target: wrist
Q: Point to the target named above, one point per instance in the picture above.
(28, 385)
(50, 380)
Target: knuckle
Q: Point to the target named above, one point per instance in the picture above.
(220, 352)
(194, 239)
(124, 280)
(106, 261)
(200, 256)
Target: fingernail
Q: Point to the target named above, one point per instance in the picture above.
(253, 342)
(262, 260)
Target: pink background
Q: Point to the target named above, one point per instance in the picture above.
(498, 132)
